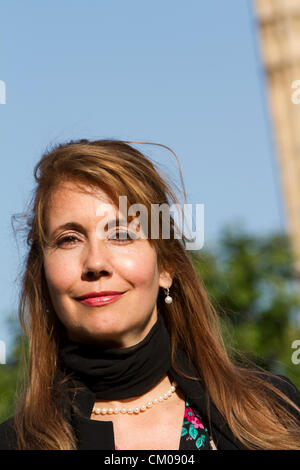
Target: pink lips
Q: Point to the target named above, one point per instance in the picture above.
(100, 300)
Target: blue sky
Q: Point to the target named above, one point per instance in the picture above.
(183, 74)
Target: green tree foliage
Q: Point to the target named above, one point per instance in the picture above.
(254, 287)
(252, 284)
(9, 376)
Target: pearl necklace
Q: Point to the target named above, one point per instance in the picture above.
(136, 410)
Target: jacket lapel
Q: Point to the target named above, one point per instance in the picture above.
(91, 434)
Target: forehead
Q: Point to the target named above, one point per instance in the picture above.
(68, 190)
(71, 198)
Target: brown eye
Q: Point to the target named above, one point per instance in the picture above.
(67, 240)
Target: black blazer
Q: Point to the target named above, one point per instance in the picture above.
(98, 435)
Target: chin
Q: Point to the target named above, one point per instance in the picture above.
(101, 330)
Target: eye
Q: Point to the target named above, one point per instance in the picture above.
(71, 239)
(68, 238)
(129, 236)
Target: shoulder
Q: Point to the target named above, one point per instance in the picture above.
(8, 439)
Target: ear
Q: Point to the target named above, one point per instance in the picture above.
(165, 279)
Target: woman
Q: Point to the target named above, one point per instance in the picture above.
(125, 350)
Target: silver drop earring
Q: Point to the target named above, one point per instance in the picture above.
(168, 298)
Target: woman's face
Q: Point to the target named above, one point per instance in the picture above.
(88, 263)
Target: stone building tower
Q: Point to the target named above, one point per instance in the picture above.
(278, 31)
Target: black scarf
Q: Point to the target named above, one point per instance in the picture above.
(115, 374)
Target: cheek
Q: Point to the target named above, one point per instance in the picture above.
(60, 275)
(139, 269)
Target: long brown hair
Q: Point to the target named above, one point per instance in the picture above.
(254, 410)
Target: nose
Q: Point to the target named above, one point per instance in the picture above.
(96, 261)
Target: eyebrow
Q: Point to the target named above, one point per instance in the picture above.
(80, 228)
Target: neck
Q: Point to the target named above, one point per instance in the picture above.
(115, 375)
